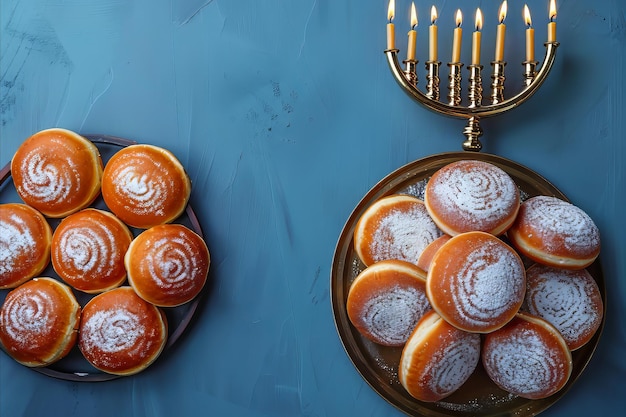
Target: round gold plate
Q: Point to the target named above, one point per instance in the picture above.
(378, 365)
(74, 367)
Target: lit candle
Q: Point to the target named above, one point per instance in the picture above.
(432, 44)
(552, 24)
(501, 31)
(410, 55)
(476, 38)
(391, 34)
(530, 35)
(456, 43)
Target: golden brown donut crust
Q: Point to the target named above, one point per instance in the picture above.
(39, 322)
(556, 233)
(25, 240)
(476, 282)
(145, 185)
(386, 300)
(120, 333)
(57, 171)
(88, 249)
(528, 357)
(167, 265)
(471, 195)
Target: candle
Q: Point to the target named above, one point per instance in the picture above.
(410, 55)
(391, 34)
(432, 45)
(552, 24)
(530, 35)
(476, 38)
(501, 31)
(456, 43)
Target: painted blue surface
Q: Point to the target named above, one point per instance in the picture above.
(285, 114)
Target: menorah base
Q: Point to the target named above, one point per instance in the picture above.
(472, 132)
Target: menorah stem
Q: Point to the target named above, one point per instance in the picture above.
(411, 71)
(472, 132)
(454, 84)
(475, 86)
(497, 82)
(432, 79)
(530, 71)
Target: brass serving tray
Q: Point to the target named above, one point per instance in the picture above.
(74, 367)
(378, 365)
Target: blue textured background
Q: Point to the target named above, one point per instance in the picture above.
(285, 114)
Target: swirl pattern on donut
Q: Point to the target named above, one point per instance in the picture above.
(120, 333)
(88, 250)
(386, 300)
(394, 227)
(25, 237)
(569, 300)
(38, 322)
(476, 282)
(57, 171)
(437, 359)
(145, 186)
(469, 195)
(528, 357)
(167, 265)
(556, 233)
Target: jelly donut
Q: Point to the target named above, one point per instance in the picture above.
(145, 185)
(470, 195)
(39, 322)
(476, 282)
(437, 359)
(569, 300)
(554, 232)
(88, 249)
(386, 300)
(25, 239)
(394, 227)
(120, 333)
(57, 171)
(167, 265)
(528, 357)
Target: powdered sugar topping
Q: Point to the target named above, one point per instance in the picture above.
(113, 330)
(403, 234)
(49, 176)
(29, 317)
(451, 365)
(558, 222)
(391, 315)
(480, 194)
(87, 252)
(523, 362)
(15, 238)
(569, 300)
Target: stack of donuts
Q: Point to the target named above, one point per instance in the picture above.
(473, 276)
(131, 257)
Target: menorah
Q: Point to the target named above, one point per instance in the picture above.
(533, 75)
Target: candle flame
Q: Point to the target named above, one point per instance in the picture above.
(552, 10)
(433, 14)
(503, 10)
(413, 16)
(391, 10)
(527, 19)
(459, 18)
(479, 19)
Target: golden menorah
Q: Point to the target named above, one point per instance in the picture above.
(474, 110)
